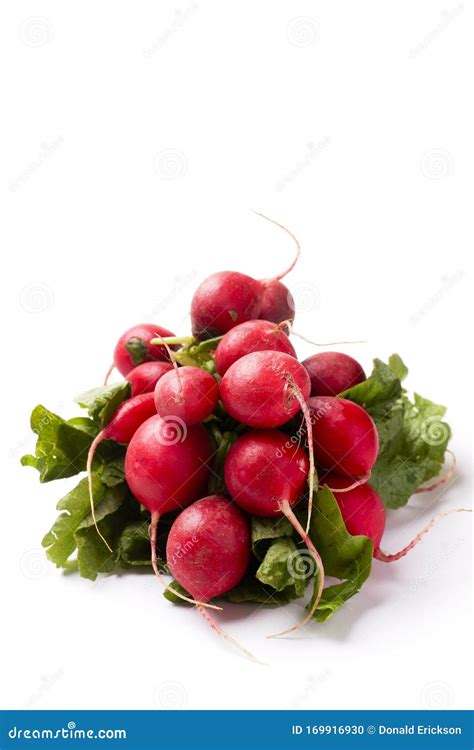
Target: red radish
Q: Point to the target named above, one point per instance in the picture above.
(345, 436)
(260, 388)
(166, 465)
(188, 393)
(228, 298)
(208, 547)
(252, 336)
(121, 428)
(266, 475)
(332, 373)
(133, 347)
(363, 513)
(222, 301)
(208, 551)
(277, 304)
(166, 468)
(362, 510)
(265, 389)
(144, 377)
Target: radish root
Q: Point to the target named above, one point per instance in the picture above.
(222, 634)
(384, 557)
(90, 458)
(109, 373)
(309, 428)
(287, 511)
(155, 517)
(288, 324)
(280, 276)
(443, 479)
(359, 483)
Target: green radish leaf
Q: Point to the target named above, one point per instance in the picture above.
(102, 402)
(344, 556)
(60, 542)
(413, 436)
(415, 454)
(264, 530)
(93, 556)
(283, 566)
(250, 590)
(398, 366)
(61, 448)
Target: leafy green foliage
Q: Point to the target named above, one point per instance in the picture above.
(344, 556)
(61, 448)
(413, 435)
(102, 402)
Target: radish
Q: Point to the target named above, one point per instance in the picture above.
(332, 373)
(166, 468)
(188, 393)
(345, 437)
(265, 389)
(363, 513)
(227, 298)
(266, 476)
(277, 303)
(260, 389)
(208, 552)
(133, 347)
(251, 336)
(144, 377)
(121, 428)
(362, 510)
(222, 301)
(208, 547)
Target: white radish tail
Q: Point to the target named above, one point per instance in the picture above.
(384, 557)
(309, 429)
(90, 458)
(287, 511)
(280, 276)
(222, 634)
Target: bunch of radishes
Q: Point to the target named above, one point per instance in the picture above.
(291, 433)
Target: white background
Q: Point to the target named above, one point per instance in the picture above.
(136, 137)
